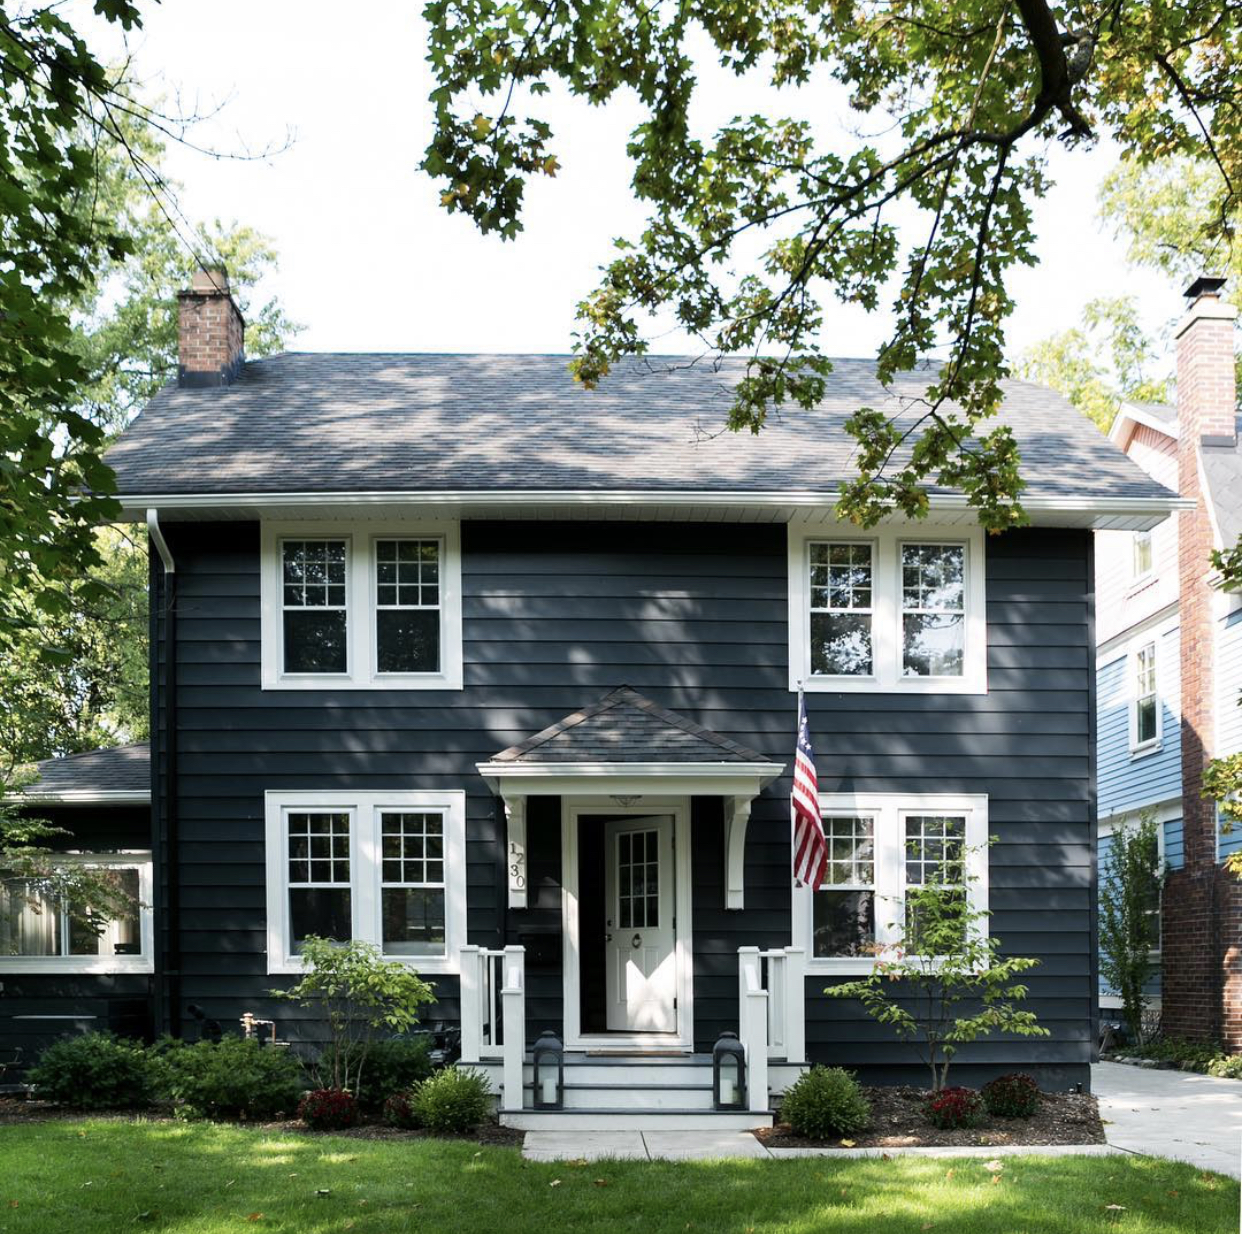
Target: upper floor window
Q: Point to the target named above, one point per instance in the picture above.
(386, 868)
(39, 933)
(364, 606)
(887, 612)
(1145, 709)
(1141, 565)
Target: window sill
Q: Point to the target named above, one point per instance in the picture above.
(970, 684)
(841, 966)
(75, 965)
(1140, 584)
(395, 681)
(429, 966)
(1148, 747)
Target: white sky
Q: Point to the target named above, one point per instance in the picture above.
(369, 260)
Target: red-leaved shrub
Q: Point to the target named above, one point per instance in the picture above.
(329, 1109)
(1011, 1096)
(952, 1108)
(399, 1112)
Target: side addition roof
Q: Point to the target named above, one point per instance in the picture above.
(1222, 474)
(120, 775)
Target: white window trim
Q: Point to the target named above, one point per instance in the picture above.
(886, 609)
(889, 810)
(126, 859)
(1139, 581)
(1140, 748)
(366, 870)
(360, 537)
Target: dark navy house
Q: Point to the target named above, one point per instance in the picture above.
(501, 675)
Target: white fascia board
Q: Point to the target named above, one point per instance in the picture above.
(83, 797)
(1137, 513)
(624, 779)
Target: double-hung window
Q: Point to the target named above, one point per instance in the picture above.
(883, 849)
(361, 605)
(1145, 709)
(40, 932)
(386, 868)
(889, 612)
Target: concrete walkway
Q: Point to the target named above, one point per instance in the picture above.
(1178, 1114)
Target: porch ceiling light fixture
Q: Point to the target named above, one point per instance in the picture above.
(626, 801)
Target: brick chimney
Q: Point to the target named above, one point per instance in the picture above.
(210, 332)
(1202, 906)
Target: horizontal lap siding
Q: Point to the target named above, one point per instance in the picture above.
(558, 614)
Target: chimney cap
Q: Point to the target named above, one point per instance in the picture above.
(1204, 285)
(210, 279)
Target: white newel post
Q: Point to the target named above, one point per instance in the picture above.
(753, 1016)
(513, 1000)
(795, 1005)
(471, 1006)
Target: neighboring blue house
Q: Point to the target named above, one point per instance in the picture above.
(501, 675)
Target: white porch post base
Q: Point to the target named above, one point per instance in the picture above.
(513, 1003)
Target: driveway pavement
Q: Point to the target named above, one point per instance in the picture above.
(1178, 1114)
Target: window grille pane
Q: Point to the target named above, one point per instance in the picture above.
(315, 641)
(324, 911)
(318, 847)
(408, 841)
(413, 921)
(844, 923)
(935, 849)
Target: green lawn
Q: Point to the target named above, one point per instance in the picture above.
(101, 1176)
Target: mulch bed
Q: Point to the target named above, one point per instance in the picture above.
(897, 1121)
(14, 1110)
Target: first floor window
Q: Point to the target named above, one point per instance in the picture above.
(37, 925)
(382, 868)
(845, 905)
(1146, 701)
(885, 851)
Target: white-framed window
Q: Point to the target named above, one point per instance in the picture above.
(1145, 700)
(41, 936)
(361, 606)
(1142, 562)
(385, 867)
(899, 610)
(879, 844)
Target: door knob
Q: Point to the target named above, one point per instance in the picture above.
(636, 941)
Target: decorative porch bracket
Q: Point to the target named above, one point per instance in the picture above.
(736, 820)
(515, 848)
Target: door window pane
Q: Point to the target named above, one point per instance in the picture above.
(638, 880)
(933, 603)
(313, 597)
(407, 606)
(841, 609)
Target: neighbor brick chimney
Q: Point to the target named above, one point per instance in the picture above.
(210, 331)
(1202, 905)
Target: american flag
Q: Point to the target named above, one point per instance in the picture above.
(810, 850)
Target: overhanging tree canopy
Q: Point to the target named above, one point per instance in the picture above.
(975, 94)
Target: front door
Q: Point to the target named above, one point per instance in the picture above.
(640, 937)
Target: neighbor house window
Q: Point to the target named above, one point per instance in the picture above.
(933, 610)
(384, 868)
(314, 595)
(844, 907)
(882, 847)
(1146, 715)
(1142, 554)
(407, 606)
(887, 613)
(368, 606)
(39, 932)
(841, 612)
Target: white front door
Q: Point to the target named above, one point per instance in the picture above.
(640, 938)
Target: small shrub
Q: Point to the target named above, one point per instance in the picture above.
(1011, 1096)
(401, 1112)
(96, 1071)
(232, 1078)
(953, 1108)
(1198, 1055)
(455, 1100)
(393, 1066)
(329, 1109)
(1226, 1067)
(825, 1102)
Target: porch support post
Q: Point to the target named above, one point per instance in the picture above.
(736, 819)
(753, 1014)
(471, 1006)
(515, 849)
(795, 1005)
(513, 1002)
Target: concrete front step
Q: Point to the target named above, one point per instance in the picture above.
(635, 1071)
(630, 1096)
(634, 1120)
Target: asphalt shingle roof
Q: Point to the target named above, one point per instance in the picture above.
(625, 727)
(122, 769)
(305, 422)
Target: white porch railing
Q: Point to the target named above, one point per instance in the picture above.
(493, 1014)
(772, 1013)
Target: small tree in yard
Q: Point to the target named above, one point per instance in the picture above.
(359, 995)
(1129, 898)
(943, 983)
